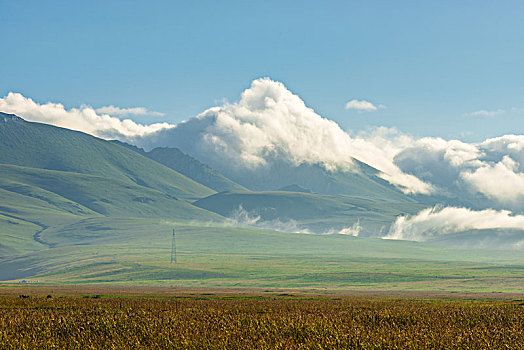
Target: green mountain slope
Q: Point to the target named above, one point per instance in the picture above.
(51, 177)
(313, 211)
(34, 200)
(88, 194)
(175, 159)
(48, 147)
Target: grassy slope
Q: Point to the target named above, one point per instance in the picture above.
(99, 194)
(51, 176)
(35, 199)
(31, 144)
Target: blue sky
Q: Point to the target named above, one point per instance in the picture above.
(429, 63)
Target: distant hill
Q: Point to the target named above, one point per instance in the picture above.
(320, 213)
(175, 159)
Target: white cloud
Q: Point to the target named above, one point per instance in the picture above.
(84, 119)
(493, 168)
(353, 230)
(435, 223)
(500, 181)
(484, 113)
(137, 111)
(362, 105)
(270, 122)
(243, 217)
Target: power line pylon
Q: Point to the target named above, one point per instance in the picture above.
(173, 248)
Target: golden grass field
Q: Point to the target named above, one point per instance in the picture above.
(89, 317)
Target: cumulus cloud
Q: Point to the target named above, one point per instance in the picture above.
(435, 223)
(271, 123)
(134, 111)
(268, 121)
(484, 113)
(491, 169)
(498, 181)
(362, 105)
(85, 118)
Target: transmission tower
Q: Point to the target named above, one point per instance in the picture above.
(173, 248)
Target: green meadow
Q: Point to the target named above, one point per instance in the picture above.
(134, 251)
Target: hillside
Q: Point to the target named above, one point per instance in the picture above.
(48, 147)
(50, 177)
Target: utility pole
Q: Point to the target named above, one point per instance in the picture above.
(173, 248)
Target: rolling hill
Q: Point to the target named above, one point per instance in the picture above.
(51, 176)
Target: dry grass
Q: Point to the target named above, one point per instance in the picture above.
(254, 322)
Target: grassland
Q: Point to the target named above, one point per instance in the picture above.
(136, 251)
(257, 320)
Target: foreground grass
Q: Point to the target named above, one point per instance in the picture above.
(251, 322)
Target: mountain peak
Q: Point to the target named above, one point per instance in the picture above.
(5, 117)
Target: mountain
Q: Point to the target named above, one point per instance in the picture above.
(48, 147)
(175, 159)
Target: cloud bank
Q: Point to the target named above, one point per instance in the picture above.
(85, 118)
(492, 169)
(435, 223)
